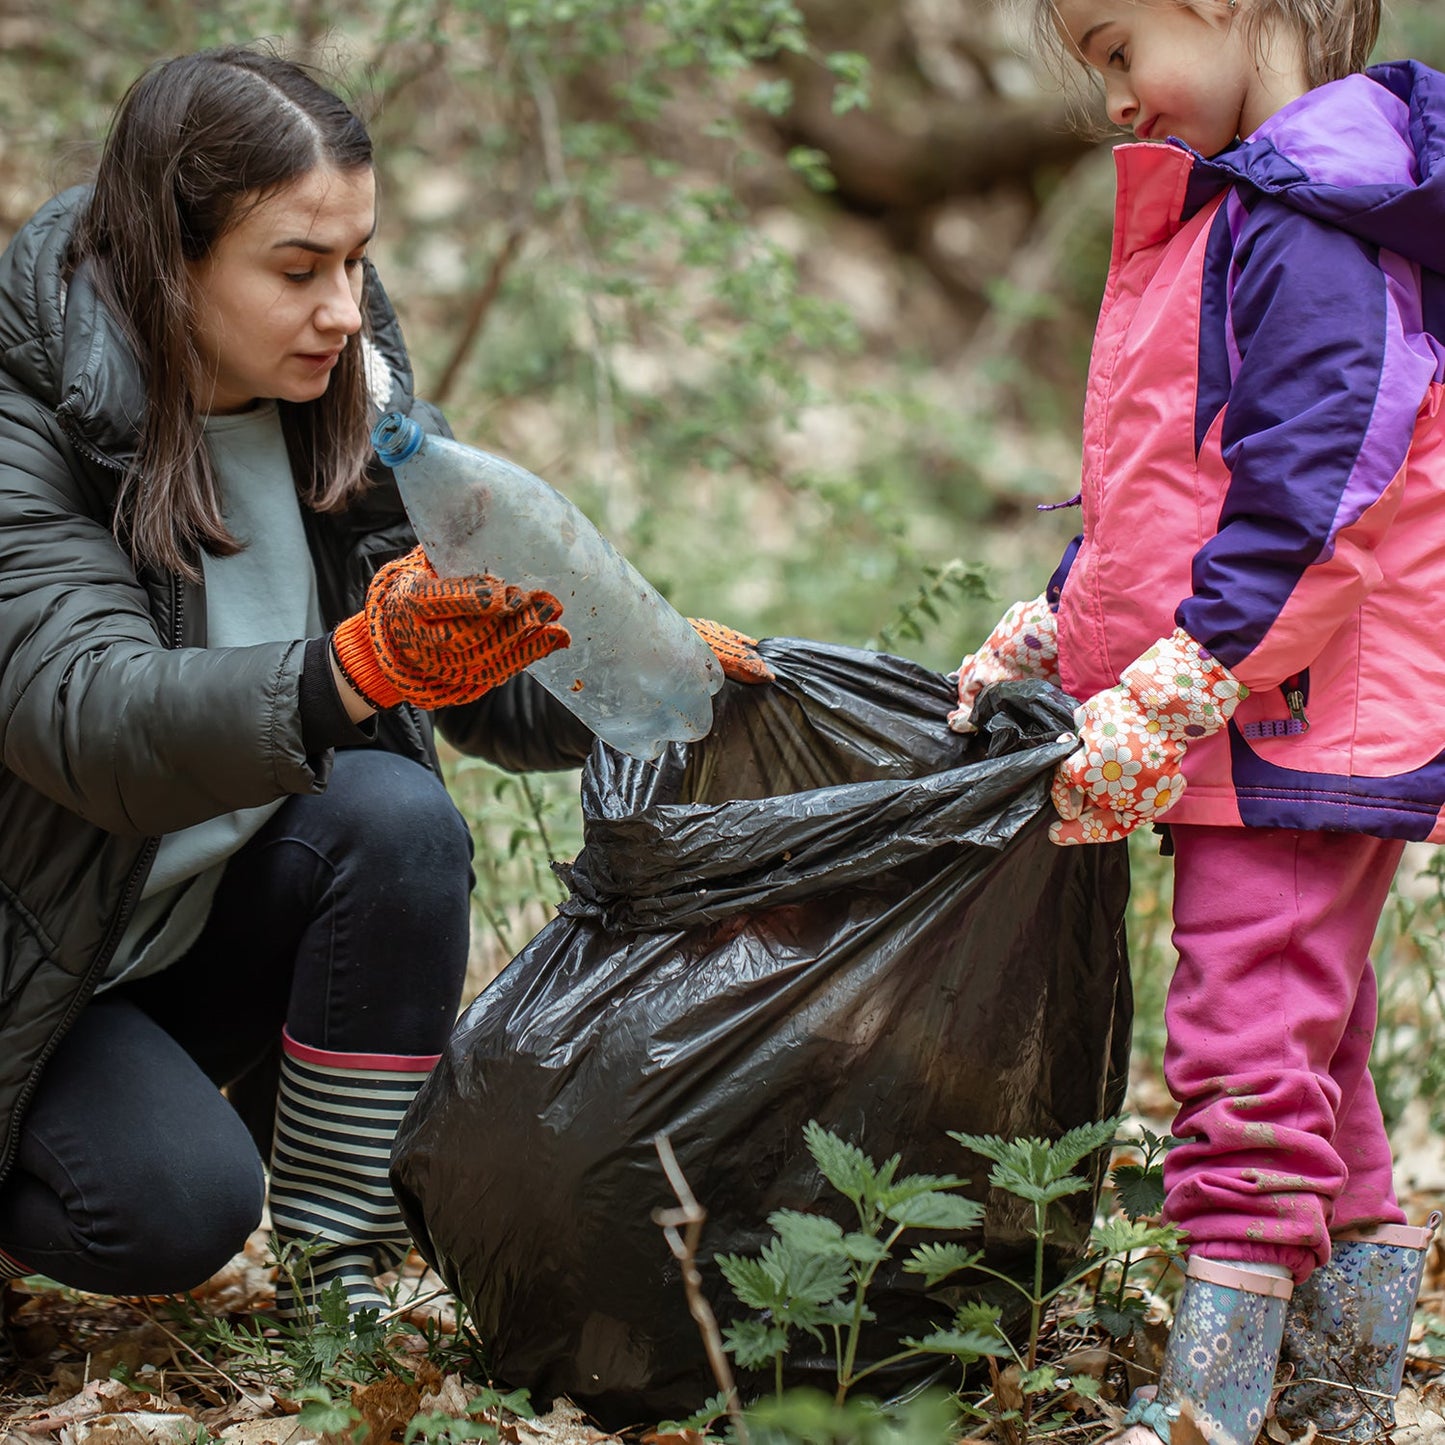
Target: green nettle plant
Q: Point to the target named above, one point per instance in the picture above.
(813, 1278)
(1118, 1306)
(814, 1275)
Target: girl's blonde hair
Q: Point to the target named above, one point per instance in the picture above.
(1338, 35)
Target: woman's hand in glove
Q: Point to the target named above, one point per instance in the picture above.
(737, 652)
(1024, 644)
(439, 641)
(1133, 737)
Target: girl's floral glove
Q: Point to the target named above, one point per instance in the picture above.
(1024, 644)
(1133, 737)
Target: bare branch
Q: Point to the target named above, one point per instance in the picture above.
(682, 1228)
(476, 315)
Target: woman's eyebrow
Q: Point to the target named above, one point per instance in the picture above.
(318, 248)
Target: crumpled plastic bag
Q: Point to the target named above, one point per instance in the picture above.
(830, 908)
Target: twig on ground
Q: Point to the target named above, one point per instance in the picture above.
(682, 1228)
(410, 1305)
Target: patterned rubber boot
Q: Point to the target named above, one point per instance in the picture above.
(1347, 1330)
(1220, 1361)
(11, 1268)
(336, 1117)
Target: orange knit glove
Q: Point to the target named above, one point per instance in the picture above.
(439, 641)
(738, 653)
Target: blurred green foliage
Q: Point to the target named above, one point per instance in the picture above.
(610, 267)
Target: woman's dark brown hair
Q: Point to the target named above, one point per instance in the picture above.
(196, 142)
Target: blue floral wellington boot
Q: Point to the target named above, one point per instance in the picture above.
(1220, 1362)
(1347, 1330)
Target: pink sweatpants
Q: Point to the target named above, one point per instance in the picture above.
(1270, 1017)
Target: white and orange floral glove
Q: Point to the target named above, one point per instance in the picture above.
(1024, 644)
(1127, 769)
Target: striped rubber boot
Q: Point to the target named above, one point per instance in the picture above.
(336, 1117)
(1347, 1332)
(11, 1268)
(1220, 1361)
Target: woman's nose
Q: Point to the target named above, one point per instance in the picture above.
(340, 309)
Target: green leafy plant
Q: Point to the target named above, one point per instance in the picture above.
(1139, 1193)
(813, 1275)
(1041, 1172)
(316, 1361)
(322, 1413)
(811, 1417)
(941, 586)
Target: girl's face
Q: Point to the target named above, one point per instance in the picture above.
(1169, 69)
(280, 292)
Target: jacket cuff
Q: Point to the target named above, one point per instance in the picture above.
(324, 719)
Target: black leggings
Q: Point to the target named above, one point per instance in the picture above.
(345, 920)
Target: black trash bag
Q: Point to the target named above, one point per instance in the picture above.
(830, 908)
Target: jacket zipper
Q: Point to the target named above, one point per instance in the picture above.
(1296, 724)
(88, 451)
(138, 873)
(1294, 700)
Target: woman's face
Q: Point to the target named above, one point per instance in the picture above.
(279, 294)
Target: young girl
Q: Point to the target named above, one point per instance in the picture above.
(225, 848)
(1252, 615)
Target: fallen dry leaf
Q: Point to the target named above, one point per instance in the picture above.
(267, 1432)
(13, 1436)
(563, 1424)
(450, 1397)
(1008, 1395)
(386, 1406)
(137, 1427)
(674, 1437)
(246, 1282)
(1420, 1416)
(98, 1397)
(1277, 1432)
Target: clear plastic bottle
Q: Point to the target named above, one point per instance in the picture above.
(636, 673)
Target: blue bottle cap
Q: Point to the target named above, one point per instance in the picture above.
(396, 437)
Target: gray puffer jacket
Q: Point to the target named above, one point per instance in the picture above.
(116, 725)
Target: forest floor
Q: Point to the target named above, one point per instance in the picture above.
(80, 1369)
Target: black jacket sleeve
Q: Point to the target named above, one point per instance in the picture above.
(518, 726)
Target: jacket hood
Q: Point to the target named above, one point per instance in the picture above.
(65, 347)
(1365, 154)
(57, 339)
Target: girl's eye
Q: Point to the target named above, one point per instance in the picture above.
(298, 276)
(354, 263)
(1118, 57)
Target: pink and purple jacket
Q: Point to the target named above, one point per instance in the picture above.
(1264, 455)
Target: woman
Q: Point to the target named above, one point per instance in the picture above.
(217, 843)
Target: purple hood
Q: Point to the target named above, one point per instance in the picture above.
(1365, 154)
